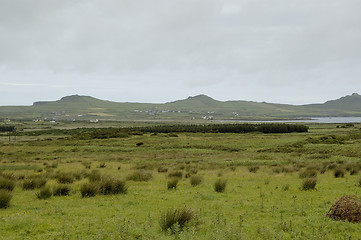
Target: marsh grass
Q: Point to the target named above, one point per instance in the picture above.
(177, 174)
(89, 190)
(253, 169)
(109, 186)
(140, 176)
(5, 198)
(196, 180)
(65, 178)
(172, 183)
(44, 193)
(61, 190)
(7, 184)
(29, 184)
(339, 172)
(220, 185)
(309, 184)
(176, 218)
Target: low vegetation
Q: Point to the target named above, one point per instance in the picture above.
(63, 184)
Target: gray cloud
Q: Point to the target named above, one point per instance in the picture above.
(274, 50)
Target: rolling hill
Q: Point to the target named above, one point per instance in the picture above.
(199, 107)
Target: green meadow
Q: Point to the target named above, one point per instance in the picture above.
(222, 185)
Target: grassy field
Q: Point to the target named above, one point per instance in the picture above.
(263, 175)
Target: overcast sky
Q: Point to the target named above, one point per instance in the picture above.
(283, 51)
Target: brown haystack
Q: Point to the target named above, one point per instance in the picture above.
(347, 208)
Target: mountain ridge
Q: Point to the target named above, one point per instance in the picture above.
(200, 107)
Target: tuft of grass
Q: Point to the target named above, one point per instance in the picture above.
(176, 218)
(7, 184)
(196, 180)
(140, 176)
(61, 190)
(95, 176)
(172, 183)
(5, 198)
(253, 169)
(89, 190)
(177, 174)
(339, 172)
(44, 193)
(309, 184)
(110, 186)
(220, 185)
(308, 173)
(162, 169)
(65, 178)
(29, 184)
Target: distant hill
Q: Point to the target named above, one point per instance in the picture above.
(201, 107)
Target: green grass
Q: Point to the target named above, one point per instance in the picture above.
(268, 203)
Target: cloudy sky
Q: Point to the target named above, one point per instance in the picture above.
(284, 51)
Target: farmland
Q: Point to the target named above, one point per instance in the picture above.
(263, 196)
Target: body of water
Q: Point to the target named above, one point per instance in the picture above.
(313, 120)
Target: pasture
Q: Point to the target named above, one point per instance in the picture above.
(126, 187)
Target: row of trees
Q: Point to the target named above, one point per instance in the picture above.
(6, 128)
(226, 128)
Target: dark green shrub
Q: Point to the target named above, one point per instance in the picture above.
(89, 190)
(220, 185)
(196, 180)
(339, 172)
(354, 171)
(7, 184)
(61, 190)
(253, 169)
(44, 193)
(5, 198)
(359, 182)
(172, 183)
(309, 183)
(177, 174)
(140, 176)
(176, 218)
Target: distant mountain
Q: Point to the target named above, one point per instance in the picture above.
(200, 107)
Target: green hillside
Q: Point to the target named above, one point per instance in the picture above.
(201, 107)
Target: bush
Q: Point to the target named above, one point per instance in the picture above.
(140, 176)
(172, 183)
(5, 198)
(7, 184)
(61, 190)
(178, 174)
(339, 172)
(253, 169)
(309, 184)
(346, 208)
(174, 218)
(220, 185)
(89, 190)
(196, 180)
(44, 193)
